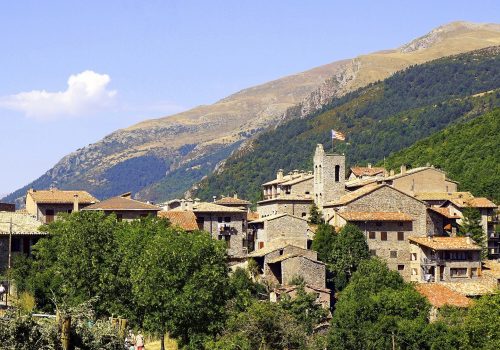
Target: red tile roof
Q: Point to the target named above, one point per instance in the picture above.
(446, 243)
(366, 171)
(122, 203)
(438, 295)
(479, 202)
(184, 219)
(54, 196)
(232, 200)
(375, 216)
(444, 212)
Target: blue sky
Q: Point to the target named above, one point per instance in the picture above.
(71, 72)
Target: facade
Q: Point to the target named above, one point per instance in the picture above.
(125, 208)
(297, 184)
(444, 259)
(45, 205)
(21, 231)
(423, 179)
(295, 206)
(278, 230)
(388, 217)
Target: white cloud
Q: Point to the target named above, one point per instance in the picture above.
(86, 93)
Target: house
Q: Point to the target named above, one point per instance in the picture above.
(278, 230)
(124, 207)
(45, 205)
(296, 206)
(489, 219)
(22, 231)
(222, 222)
(444, 259)
(368, 172)
(295, 184)
(388, 217)
(438, 296)
(234, 202)
(183, 219)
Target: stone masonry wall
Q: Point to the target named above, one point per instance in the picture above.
(313, 272)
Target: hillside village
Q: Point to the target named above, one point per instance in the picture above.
(411, 219)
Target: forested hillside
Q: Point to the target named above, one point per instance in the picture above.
(379, 120)
(469, 152)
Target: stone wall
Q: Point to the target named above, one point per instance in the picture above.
(303, 188)
(286, 230)
(313, 272)
(237, 233)
(328, 186)
(428, 180)
(298, 208)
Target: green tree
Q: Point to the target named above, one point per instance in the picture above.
(471, 225)
(315, 215)
(378, 309)
(324, 241)
(349, 250)
(180, 283)
(243, 290)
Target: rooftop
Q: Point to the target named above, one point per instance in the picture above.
(288, 198)
(275, 216)
(206, 207)
(435, 196)
(479, 202)
(122, 203)
(292, 255)
(267, 250)
(375, 216)
(446, 243)
(297, 180)
(439, 295)
(22, 224)
(59, 196)
(367, 171)
(444, 212)
(232, 201)
(184, 219)
(470, 288)
(349, 197)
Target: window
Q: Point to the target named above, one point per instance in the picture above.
(261, 245)
(307, 192)
(227, 219)
(413, 272)
(119, 217)
(473, 272)
(401, 236)
(458, 272)
(228, 241)
(413, 257)
(281, 251)
(219, 219)
(401, 267)
(337, 173)
(394, 254)
(303, 215)
(373, 252)
(16, 244)
(371, 235)
(49, 215)
(383, 236)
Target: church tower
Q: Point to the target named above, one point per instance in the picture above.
(329, 176)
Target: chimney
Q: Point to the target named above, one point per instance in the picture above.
(391, 173)
(183, 204)
(196, 201)
(279, 174)
(235, 196)
(453, 231)
(214, 198)
(295, 172)
(189, 204)
(469, 240)
(75, 203)
(403, 169)
(369, 165)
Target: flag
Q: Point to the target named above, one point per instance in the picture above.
(338, 135)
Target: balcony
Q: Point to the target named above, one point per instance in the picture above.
(493, 235)
(225, 229)
(492, 219)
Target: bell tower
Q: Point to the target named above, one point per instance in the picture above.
(329, 176)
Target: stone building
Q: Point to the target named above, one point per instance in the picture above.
(444, 259)
(22, 230)
(124, 207)
(323, 295)
(362, 173)
(278, 230)
(45, 205)
(234, 202)
(439, 296)
(329, 176)
(297, 184)
(296, 206)
(388, 217)
(422, 179)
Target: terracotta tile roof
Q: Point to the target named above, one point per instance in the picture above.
(366, 171)
(439, 295)
(205, 207)
(22, 224)
(184, 219)
(375, 216)
(446, 243)
(122, 203)
(349, 197)
(429, 196)
(275, 216)
(59, 196)
(232, 200)
(479, 202)
(470, 288)
(444, 212)
(361, 182)
(492, 268)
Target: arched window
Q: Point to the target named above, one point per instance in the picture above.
(337, 173)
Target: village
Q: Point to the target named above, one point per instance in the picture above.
(411, 220)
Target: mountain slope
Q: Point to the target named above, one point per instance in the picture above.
(379, 119)
(468, 152)
(157, 157)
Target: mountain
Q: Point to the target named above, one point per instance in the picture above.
(379, 119)
(163, 157)
(467, 151)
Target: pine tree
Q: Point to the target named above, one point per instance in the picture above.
(471, 225)
(315, 215)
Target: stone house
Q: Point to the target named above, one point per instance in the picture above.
(368, 172)
(489, 218)
(438, 296)
(124, 207)
(388, 217)
(45, 205)
(278, 230)
(444, 259)
(234, 202)
(296, 206)
(22, 230)
(422, 179)
(295, 184)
